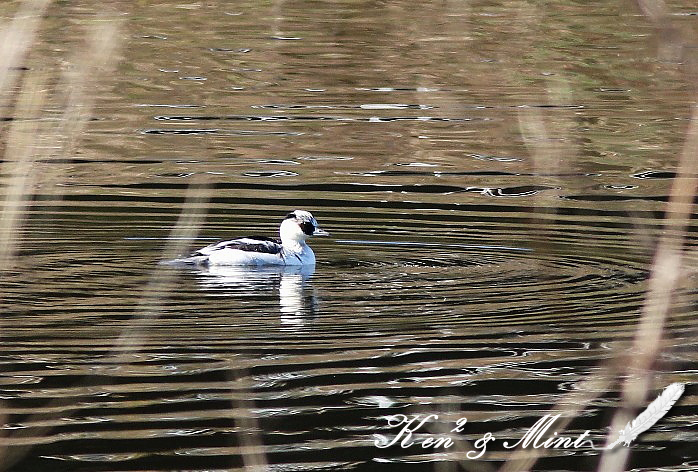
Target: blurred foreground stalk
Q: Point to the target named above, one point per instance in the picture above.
(664, 280)
(32, 137)
(20, 143)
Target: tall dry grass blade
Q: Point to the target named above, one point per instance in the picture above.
(21, 150)
(134, 335)
(537, 140)
(16, 39)
(19, 158)
(550, 154)
(655, 10)
(76, 93)
(547, 136)
(460, 448)
(80, 81)
(161, 281)
(251, 445)
(570, 406)
(27, 141)
(664, 278)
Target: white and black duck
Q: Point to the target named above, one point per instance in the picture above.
(291, 249)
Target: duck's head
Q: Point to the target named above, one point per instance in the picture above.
(298, 226)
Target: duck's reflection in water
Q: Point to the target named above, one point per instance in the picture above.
(298, 301)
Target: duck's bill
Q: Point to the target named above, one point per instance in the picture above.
(320, 232)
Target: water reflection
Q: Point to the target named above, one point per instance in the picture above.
(297, 297)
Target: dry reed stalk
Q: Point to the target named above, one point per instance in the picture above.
(668, 263)
(16, 39)
(460, 448)
(545, 140)
(80, 80)
(21, 151)
(664, 279)
(133, 336)
(655, 10)
(161, 281)
(569, 406)
(251, 444)
(27, 141)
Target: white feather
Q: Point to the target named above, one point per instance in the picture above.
(653, 413)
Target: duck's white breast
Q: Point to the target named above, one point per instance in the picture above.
(303, 256)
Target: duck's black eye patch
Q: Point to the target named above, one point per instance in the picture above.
(307, 227)
(289, 216)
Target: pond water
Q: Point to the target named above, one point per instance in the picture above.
(493, 176)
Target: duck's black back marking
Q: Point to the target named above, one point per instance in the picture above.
(260, 244)
(261, 247)
(289, 216)
(307, 227)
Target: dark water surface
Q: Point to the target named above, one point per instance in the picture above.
(493, 174)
